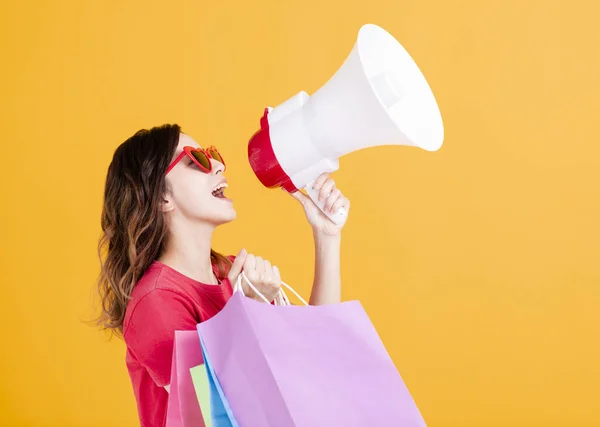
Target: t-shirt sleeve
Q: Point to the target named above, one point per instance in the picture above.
(151, 331)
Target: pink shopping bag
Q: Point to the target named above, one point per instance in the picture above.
(183, 409)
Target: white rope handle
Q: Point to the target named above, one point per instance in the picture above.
(282, 292)
(280, 299)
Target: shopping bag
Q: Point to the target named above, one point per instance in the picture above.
(202, 388)
(304, 366)
(183, 409)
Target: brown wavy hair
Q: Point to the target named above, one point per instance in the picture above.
(133, 223)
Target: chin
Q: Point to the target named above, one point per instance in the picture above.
(215, 213)
(226, 217)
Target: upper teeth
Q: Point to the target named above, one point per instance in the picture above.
(220, 186)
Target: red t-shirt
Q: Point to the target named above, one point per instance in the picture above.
(162, 302)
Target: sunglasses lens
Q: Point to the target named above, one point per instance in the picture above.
(215, 155)
(202, 159)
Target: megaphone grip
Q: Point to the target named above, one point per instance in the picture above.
(338, 218)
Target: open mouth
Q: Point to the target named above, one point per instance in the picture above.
(219, 191)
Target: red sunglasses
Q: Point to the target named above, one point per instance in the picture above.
(200, 157)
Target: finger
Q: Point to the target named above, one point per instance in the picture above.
(250, 272)
(332, 199)
(260, 266)
(320, 181)
(326, 189)
(250, 264)
(237, 265)
(340, 203)
(275, 277)
(268, 271)
(298, 195)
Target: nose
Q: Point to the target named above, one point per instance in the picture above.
(217, 167)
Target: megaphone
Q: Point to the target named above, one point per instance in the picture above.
(377, 97)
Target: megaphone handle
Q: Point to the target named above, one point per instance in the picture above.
(338, 218)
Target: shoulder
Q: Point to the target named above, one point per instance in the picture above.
(157, 309)
(154, 294)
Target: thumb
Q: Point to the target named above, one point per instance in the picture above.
(298, 195)
(236, 267)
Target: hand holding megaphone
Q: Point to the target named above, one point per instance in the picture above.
(325, 202)
(377, 97)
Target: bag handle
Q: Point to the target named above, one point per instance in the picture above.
(280, 299)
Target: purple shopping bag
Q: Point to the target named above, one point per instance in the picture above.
(305, 366)
(183, 409)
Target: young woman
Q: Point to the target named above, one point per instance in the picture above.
(163, 200)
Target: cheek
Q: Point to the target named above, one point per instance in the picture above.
(193, 197)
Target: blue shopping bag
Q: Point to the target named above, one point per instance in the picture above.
(221, 413)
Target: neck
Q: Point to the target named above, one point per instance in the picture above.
(187, 250)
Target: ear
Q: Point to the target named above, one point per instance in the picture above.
(167, 204)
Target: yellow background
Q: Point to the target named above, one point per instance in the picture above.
(478, 264)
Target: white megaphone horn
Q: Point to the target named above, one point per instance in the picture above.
(377, 97)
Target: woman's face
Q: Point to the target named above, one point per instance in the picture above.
(191, 191)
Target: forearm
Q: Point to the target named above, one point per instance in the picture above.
(327, 279)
